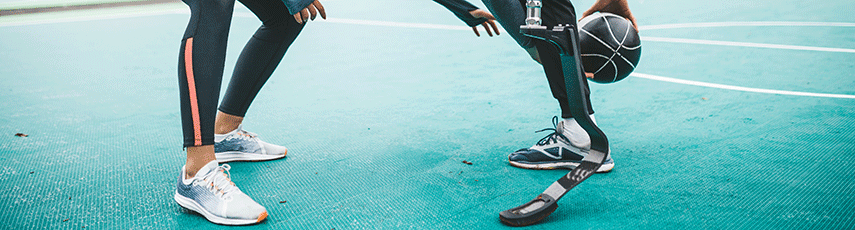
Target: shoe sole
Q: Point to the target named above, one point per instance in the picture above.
(224, 157)
(607, 167)
(196, 207)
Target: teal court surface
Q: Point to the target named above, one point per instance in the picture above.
(740, 115)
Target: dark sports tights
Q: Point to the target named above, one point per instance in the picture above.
(553, 13)
(511, 15)
(202, 56)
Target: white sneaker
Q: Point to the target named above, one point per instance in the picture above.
(211, 193)
(240, 145)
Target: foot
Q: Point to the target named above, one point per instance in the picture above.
(212, 193)
(557, 150)
(240, 145)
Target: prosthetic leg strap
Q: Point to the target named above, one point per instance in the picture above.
(577, 85)
(565, 39)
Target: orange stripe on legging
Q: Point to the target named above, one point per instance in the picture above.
(191, 85)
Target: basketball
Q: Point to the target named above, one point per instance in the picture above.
(610, 46)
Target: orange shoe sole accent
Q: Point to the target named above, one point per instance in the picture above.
(262, 217)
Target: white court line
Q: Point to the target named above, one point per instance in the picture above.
(640, 75)
(738, 88)
(746, 44)
(733, 24)
(94, 14)
(643, 38)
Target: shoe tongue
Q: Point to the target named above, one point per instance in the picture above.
(210, 166)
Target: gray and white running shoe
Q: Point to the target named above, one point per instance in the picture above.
(240, 145)
(212, 193)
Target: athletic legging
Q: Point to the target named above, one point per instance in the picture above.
(202, 56)
(511, 15)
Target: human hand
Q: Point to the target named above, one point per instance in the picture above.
(311, 10)
(619, 7)
(491, 21)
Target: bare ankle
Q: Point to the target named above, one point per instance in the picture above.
(198, 157)
(225, 123)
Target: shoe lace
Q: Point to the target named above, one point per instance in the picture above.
(243, 134)
(552, 137)
(219, 181)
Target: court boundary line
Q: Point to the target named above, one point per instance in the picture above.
(744, 23)
(738, 88)
(747, 44)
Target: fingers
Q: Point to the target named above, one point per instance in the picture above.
(589, 75)
(304, 14)
(311, 11)
(298, 18)
(487, 28)
(493, 24)
(632, 19)
(320, 8)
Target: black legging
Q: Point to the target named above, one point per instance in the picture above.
(553, 13)
(202, 57)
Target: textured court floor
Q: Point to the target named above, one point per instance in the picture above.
(740, 116)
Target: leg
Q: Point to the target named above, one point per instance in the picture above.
(570, 143)
(558, 12)
(202, 56)
(511, 15)
(260, 57)
(204, 186)
(256, 64)
(563, 40)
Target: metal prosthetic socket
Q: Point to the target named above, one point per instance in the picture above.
(564, 38)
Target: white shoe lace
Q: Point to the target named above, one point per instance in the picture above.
(554, 136)
(219, 182)
(243, 134)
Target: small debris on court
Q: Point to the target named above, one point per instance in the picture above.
(282, 202)
(21, 135)
(467, 162)
(65, 220)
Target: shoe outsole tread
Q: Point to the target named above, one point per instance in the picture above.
(196, 207)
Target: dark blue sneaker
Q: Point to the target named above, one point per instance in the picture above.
(557, 151)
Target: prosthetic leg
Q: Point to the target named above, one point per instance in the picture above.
(564, 39)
